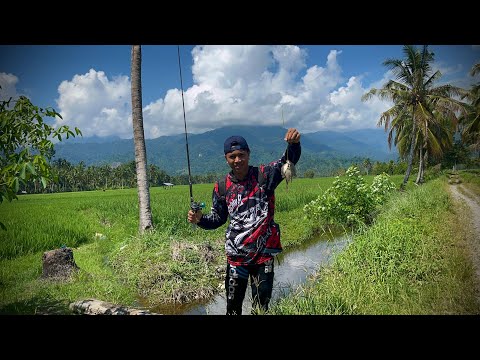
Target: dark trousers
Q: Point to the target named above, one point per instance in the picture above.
(261, 282)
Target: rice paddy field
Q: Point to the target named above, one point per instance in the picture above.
(48, 221)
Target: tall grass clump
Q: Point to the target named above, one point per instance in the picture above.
(165, 269)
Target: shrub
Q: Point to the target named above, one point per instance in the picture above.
(350, 201)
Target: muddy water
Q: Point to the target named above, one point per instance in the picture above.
(291, 269)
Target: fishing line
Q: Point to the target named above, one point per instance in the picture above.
(193, 205)
(288, 169)
(283, 121)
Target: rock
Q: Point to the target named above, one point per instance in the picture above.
(98, 307)
(58, 264)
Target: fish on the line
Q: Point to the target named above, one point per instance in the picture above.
(288, 172)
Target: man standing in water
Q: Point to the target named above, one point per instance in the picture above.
(247, 197)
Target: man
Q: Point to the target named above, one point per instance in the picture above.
(247, 197)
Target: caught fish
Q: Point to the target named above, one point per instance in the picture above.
(288, 171)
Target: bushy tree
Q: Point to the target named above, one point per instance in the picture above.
(309, 174)
(26, 145)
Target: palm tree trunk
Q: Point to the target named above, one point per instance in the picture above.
(139, 139)
(425, 164)
(412, 149)
(420, 167)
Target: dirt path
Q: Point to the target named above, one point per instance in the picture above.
(463, 194)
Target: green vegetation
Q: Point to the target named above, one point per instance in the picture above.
(25, 145)
(322, 152)
(408, 257)
(350, 201)
(423, 119)
(174, 263)
(412, 260)
(471, 180)
(470, 123)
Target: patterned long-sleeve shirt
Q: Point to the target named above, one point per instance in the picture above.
(252, 236)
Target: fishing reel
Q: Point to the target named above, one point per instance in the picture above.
(195, 206)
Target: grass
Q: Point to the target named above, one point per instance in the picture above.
(23, 290)
(174, 263)
(413, 260)
(471, 180)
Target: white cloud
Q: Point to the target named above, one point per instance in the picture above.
(238, 84)
(96, 105)
(8, 83)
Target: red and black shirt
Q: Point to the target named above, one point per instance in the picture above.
(252, 236)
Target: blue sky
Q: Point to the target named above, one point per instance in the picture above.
(316, 87)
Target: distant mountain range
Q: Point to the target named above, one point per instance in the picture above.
(321, 150)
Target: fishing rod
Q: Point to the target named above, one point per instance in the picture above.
(195, 206)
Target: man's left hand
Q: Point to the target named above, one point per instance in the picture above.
(292, 136)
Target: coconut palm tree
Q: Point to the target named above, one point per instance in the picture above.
(139, 139)
(437, 138)
(471, 122)
(367, 164)
(418, 105)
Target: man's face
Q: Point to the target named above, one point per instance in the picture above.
(238, 161)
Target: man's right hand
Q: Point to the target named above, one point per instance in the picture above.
(194, 217)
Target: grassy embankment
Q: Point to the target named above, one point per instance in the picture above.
(413, 260)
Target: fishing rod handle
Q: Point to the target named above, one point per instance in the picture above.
(196, 206)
